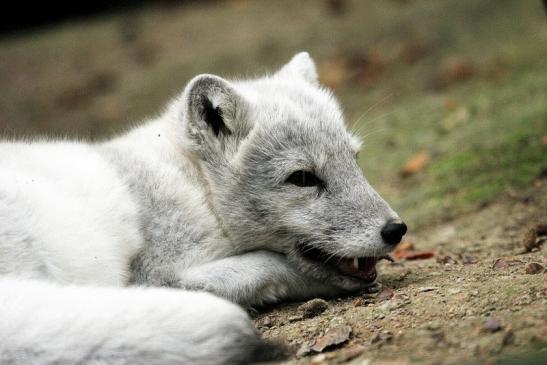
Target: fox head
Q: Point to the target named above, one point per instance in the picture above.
(281, 172)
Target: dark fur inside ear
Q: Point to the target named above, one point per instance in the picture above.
(213, 117)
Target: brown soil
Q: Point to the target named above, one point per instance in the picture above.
(462, 306)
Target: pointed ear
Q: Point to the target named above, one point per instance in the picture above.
(214, 115)
(301, 65)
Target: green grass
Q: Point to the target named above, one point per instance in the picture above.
(489, 143)
(499, 147)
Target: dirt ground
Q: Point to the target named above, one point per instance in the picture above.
(449, 97)
(461, 306)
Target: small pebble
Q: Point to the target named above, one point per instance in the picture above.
(265, 322)
(385, 294)
(492, 325)
(534, 268)
(313, 308)
(500, 264)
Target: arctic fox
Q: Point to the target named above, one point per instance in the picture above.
(249, 190)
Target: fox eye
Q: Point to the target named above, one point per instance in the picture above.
(304, 179)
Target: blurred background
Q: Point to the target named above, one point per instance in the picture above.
(450, 96)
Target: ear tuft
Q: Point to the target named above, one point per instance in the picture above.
(213, 117)
(210, 103)
(301, 65)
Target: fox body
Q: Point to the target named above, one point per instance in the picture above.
(247, 190)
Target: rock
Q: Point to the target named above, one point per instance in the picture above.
(385, 294)
(534, 268)
(492, 325)
(313, 308)
(336, 334)
(265, 322)
(424, 289)
(502, 263)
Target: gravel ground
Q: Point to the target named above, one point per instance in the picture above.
(480, 299)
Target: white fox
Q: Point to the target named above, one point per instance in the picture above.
(249, 190)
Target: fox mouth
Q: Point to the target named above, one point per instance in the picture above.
(362, 268)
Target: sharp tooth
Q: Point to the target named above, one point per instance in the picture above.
(356, 263)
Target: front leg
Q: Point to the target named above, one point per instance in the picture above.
(253, 279)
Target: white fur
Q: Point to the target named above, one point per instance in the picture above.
(181, 201)
(72, 199)
(44, 323)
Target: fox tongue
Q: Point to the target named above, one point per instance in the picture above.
(363, 268)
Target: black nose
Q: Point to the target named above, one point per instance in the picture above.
(393, 231)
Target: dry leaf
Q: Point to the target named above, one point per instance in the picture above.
(415, 164)
(419, 255)
(402, 249)
(405, 251)
(335, 335)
